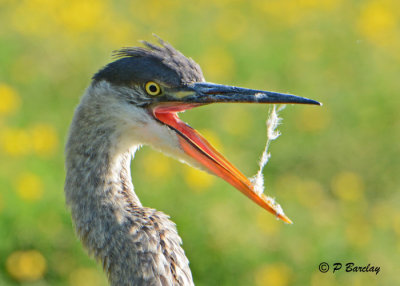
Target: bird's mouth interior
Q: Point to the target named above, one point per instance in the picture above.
(197, 147)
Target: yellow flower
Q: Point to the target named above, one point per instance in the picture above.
(218, 65)
(27, 265)
(348, 186)
(378, 21)
(277, 274)
(319, 4)
(45, 17)
(86, 277)
(36, 17)
(29, 187)
(81, 16)
(158, 13)
(119, 33)
(15, 142)
(44, 139)
(156, 165)
(294, 11)
(9, 100)
(198, 180)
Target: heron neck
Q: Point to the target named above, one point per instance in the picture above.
(98, 175)
(99, 192)
(136, 245)
(98, 184)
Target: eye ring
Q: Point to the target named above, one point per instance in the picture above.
(152, 88)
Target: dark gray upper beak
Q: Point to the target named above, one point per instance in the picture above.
(205, 92)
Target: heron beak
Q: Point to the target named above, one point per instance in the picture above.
(197, 147)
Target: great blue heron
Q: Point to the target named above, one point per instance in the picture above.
(133, 101)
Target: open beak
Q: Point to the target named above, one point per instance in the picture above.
(197, 147)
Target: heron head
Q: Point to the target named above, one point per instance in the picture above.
(152, 84)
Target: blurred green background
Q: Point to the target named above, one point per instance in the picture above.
(335, 169)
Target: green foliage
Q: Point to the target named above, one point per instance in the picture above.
(334, 170)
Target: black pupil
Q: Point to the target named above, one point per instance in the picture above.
(153, 88)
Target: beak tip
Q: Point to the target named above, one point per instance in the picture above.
(312, 102)
(285, 219)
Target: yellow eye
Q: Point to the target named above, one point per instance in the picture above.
(152, 88)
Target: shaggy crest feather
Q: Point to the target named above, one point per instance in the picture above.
(186, 68)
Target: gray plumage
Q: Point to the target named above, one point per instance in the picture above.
(136, 245)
